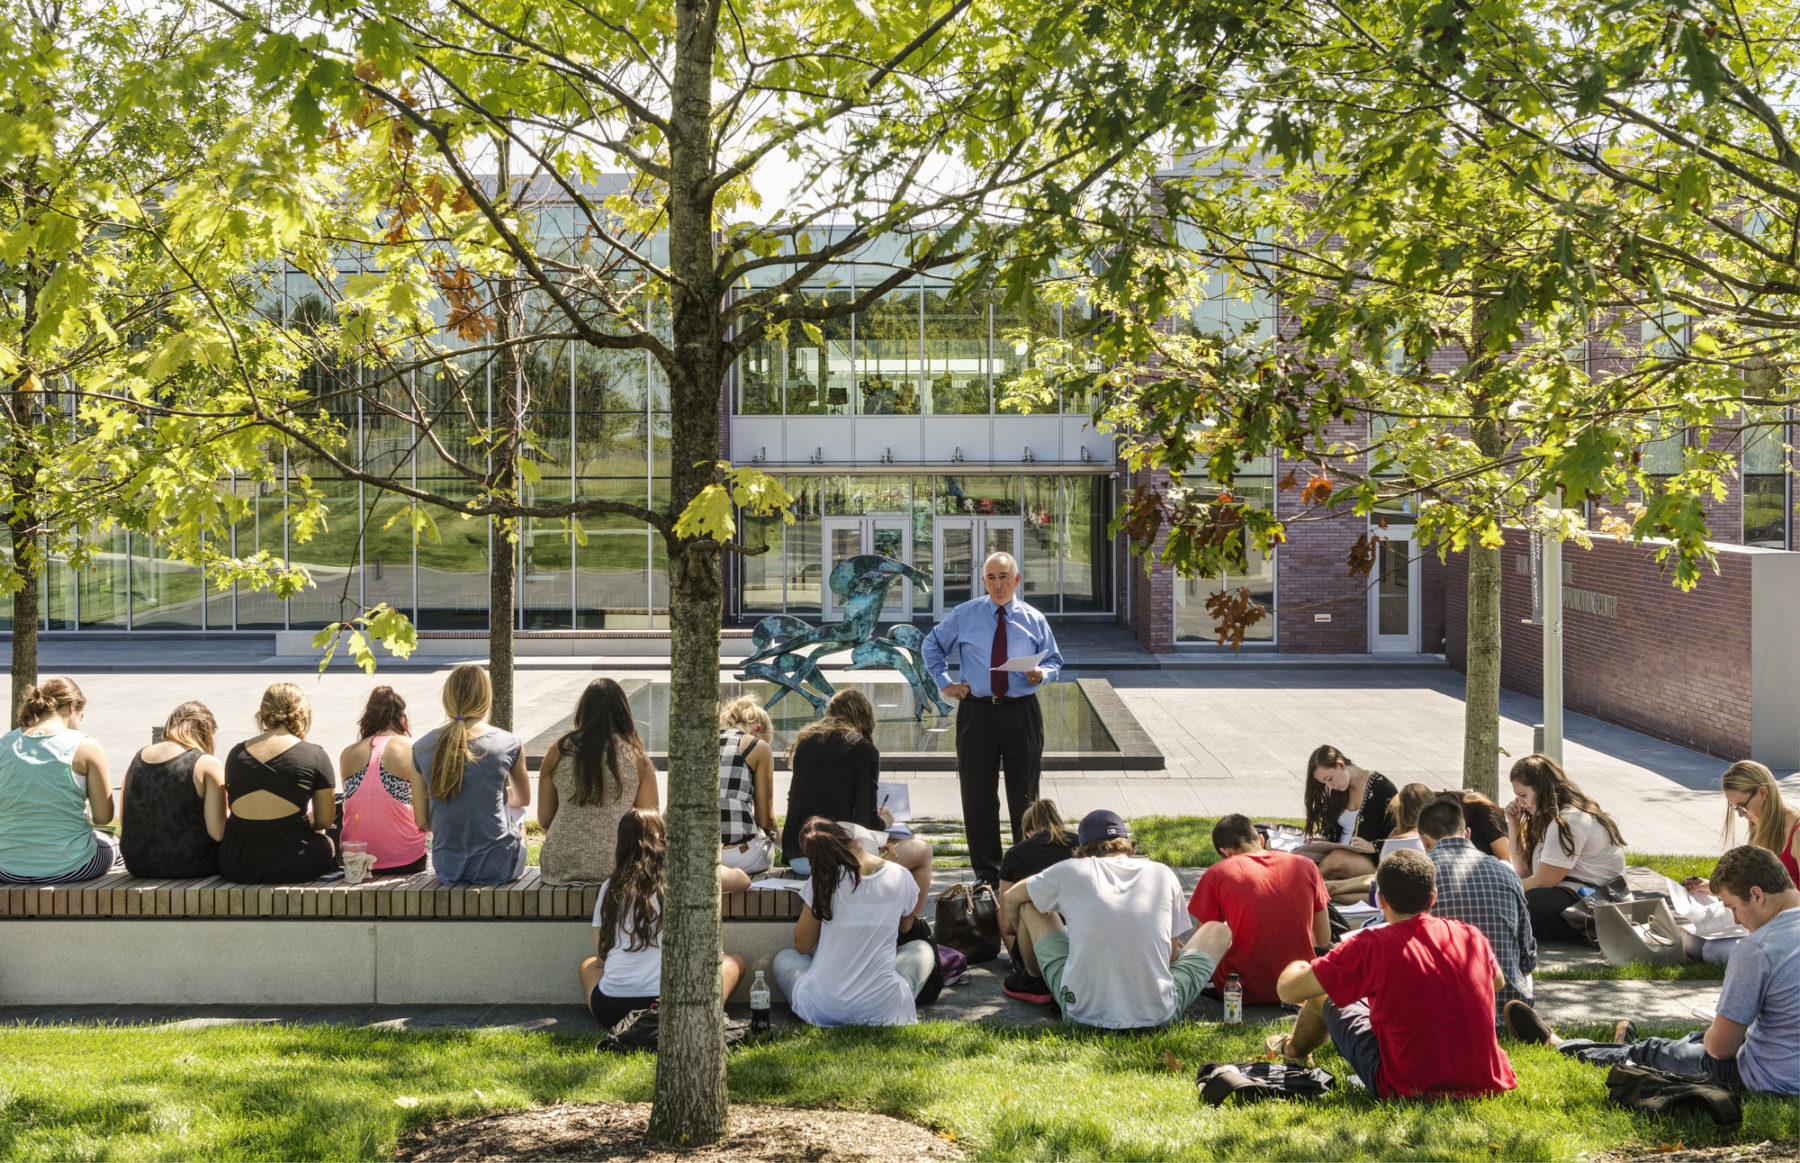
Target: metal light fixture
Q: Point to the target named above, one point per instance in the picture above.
(887, 456)
(1028, 458)
(957, 455)
(761, 455)
(818, 456)
(1085, 454)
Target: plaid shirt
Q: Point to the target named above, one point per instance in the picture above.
(1479, 890)
(737, 791)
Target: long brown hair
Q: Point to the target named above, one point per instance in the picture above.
(467, 695)
(848, 713)
(1771, 828)
(603, 724)
(1556, 794)
(833, 854)
(1042, 816)
(634, 893)
(191, 725)
(1324, 804)
(54, 696)
(383, 714)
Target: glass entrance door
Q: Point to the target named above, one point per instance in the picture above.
(1394, 596)
(882, 534)
(959, 547)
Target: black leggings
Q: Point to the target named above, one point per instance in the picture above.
(1546, 907)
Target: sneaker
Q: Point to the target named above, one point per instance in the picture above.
(1523, 1023)
(1022, 986)
(1625, 1031)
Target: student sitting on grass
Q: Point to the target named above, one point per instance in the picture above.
(1274, 902)
(54, 790)
(845, 968)
(1561, 843)
(1480, 890)
(1754, 1040)
(625, 972)
(1410, 1004)
(1404, 810)
(172, 803)
(1103, 929)
(1047, 841)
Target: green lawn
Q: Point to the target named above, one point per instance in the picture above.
(286, 1092)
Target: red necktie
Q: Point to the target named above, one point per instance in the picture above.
(997, 656)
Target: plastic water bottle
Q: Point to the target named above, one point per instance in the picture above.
(759, 1005)
(1234, 1000)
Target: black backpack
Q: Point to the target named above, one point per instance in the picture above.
(637, 1030)
(1257, 1081)
(1663, 1092)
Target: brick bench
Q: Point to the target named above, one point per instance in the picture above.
(398, 940)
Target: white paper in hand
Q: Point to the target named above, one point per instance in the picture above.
(1023, 663)
(896, 799)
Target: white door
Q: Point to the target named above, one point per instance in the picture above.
(960, 545)
(886, 535)
(1394, 595)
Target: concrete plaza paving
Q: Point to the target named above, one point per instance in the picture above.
(1235, 732)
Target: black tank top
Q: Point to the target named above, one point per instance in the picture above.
(162, 823)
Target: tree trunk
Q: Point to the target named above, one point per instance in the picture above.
(1481, 690)
(691, 1101)
(503, 566)
(1481, 699)
(502, 597)
(25, 627)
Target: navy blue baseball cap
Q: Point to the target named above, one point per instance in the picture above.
(1101, 825)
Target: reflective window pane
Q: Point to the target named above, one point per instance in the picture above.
(1085, 547)
(104, 585)
(956, 357)
(888, 356)
(1017, 332)
(1039, 557)
(165, 594)
(818, 370)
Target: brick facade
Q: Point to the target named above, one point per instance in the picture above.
(1669, 664)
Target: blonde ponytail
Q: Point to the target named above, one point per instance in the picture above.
(467, 696)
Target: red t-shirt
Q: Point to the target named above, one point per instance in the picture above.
(1430, 986)
(1268, 899)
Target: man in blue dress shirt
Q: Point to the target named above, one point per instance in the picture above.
(998, 719)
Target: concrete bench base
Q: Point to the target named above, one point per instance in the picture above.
(182, 961)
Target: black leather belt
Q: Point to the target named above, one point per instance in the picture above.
(997, 700)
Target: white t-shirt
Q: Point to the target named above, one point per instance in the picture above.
(1596, 860)
(1123, 913)
(629, 974)
(1395, 844)
(1347, 824)
(852, 980)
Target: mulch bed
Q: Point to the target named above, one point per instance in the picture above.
(1767, 1151)
(615, 1130)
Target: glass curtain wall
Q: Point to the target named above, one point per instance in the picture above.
(1066, 549)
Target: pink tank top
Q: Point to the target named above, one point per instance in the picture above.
(373, 814)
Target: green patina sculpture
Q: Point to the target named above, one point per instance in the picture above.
(788, 649)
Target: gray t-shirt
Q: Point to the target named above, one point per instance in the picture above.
(472, 839)
(1762, 991)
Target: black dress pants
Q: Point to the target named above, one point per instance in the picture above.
(989, 734)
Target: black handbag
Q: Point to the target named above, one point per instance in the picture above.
(968, 920)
